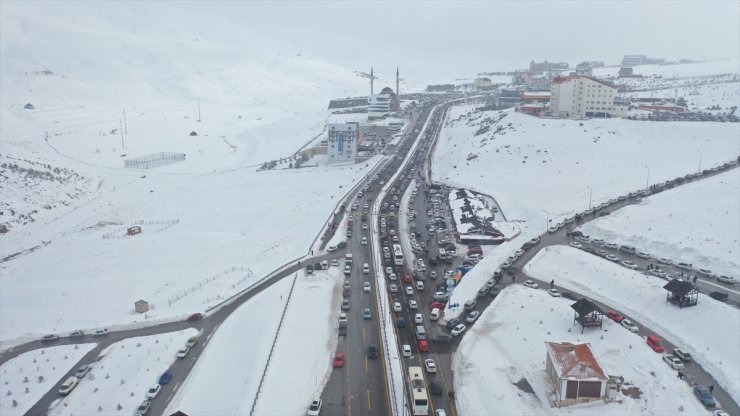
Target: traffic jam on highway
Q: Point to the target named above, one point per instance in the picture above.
(422, 264)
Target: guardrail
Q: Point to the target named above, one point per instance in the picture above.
(272, 348)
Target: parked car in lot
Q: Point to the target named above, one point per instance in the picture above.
(704, 396)
(314, 408)
(720, 296)
(153, 391)
(442, 338)
(553, 292)
(644, 255)
(673, 362)
(629, 325)
(576, 244)
(100, 333)
(630, 265)
(77, 334)
(684, 266)
(472, 317)
(182, 352)
(452, 323)
(658, 272)
(683, 355)
(569, 295)
(83, 370)
(615, 316)
(165, 377)
(611, 257)
(457, 330)
(706, 273)
(726, 279)
(143, 408)
(68, 385)
(50, 338)
(654, 342)
(470, 305)
(531, 284)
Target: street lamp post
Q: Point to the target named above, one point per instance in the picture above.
(699, 161)
(590, 194)
(647, 181)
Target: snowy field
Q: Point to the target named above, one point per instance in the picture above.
(38, 371)
(242, 350)
(717, 67)
(211, 224)
(528, 164)
(122, 374)
(643, 298)
(698, 223)
(507, 345)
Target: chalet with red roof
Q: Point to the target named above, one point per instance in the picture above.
(575, 374)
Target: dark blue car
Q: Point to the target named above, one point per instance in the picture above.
(704, 396)
(401, 322)
(166, 377)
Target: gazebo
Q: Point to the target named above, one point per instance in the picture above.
(681, 293)
(587, 314)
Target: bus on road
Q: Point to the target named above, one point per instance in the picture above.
(419, 398)
(397, 255)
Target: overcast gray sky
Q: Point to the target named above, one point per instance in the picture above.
(504, 31)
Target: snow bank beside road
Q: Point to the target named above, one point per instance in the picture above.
(697, 223)
(643, 298)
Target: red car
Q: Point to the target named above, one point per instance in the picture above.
(438, 305)
(654, 343)
(615, 316)
(423, 345)
(339, 360)
(195, 317)
(408, 279)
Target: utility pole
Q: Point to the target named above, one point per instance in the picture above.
(123, 144)
(125, 127)
(198, 110)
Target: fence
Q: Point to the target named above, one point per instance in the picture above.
(174, 298)
(272, 348)
(154, 160)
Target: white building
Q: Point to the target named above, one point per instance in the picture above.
(581, 96)
(342, 142)
(575, 374)
(379, 106)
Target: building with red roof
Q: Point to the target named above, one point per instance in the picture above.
(575, 374)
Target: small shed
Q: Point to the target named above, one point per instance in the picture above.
(574, 373)
(587, 314)
(193, 133)
(133, 230)
(29, 106)
(681, 293)
(141, 306)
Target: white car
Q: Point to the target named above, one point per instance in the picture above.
(419, 285)
(364, 226)
(68, 386)
(430, 365)
(412, 304)
(315, 408)
(529, 283)
(83, 370)
(366, 268)
(331, 249)
(629, 325)
(576, 244)
(153, 391)
(366, 287)
(611, 257)
(643, 255)
(393, 288)
(472, 317)
(726, 279)
(673, 361)
(552, 229)
(388, 270)
(457, 330)
(364, 241)
(334, 263)
(393, 277)
(100, 333)
(409, 290)
(418, 318)
(406, 350)
(599, 242)
(182, 352)
(630, 265)
(397, 306)
(432, 274)
(554, 293)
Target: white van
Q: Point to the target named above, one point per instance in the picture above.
(406, 350)
(434, 315)
(421, 333)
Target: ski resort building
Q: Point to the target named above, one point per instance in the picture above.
(577, 96)
(575, 374)
(342, 142)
